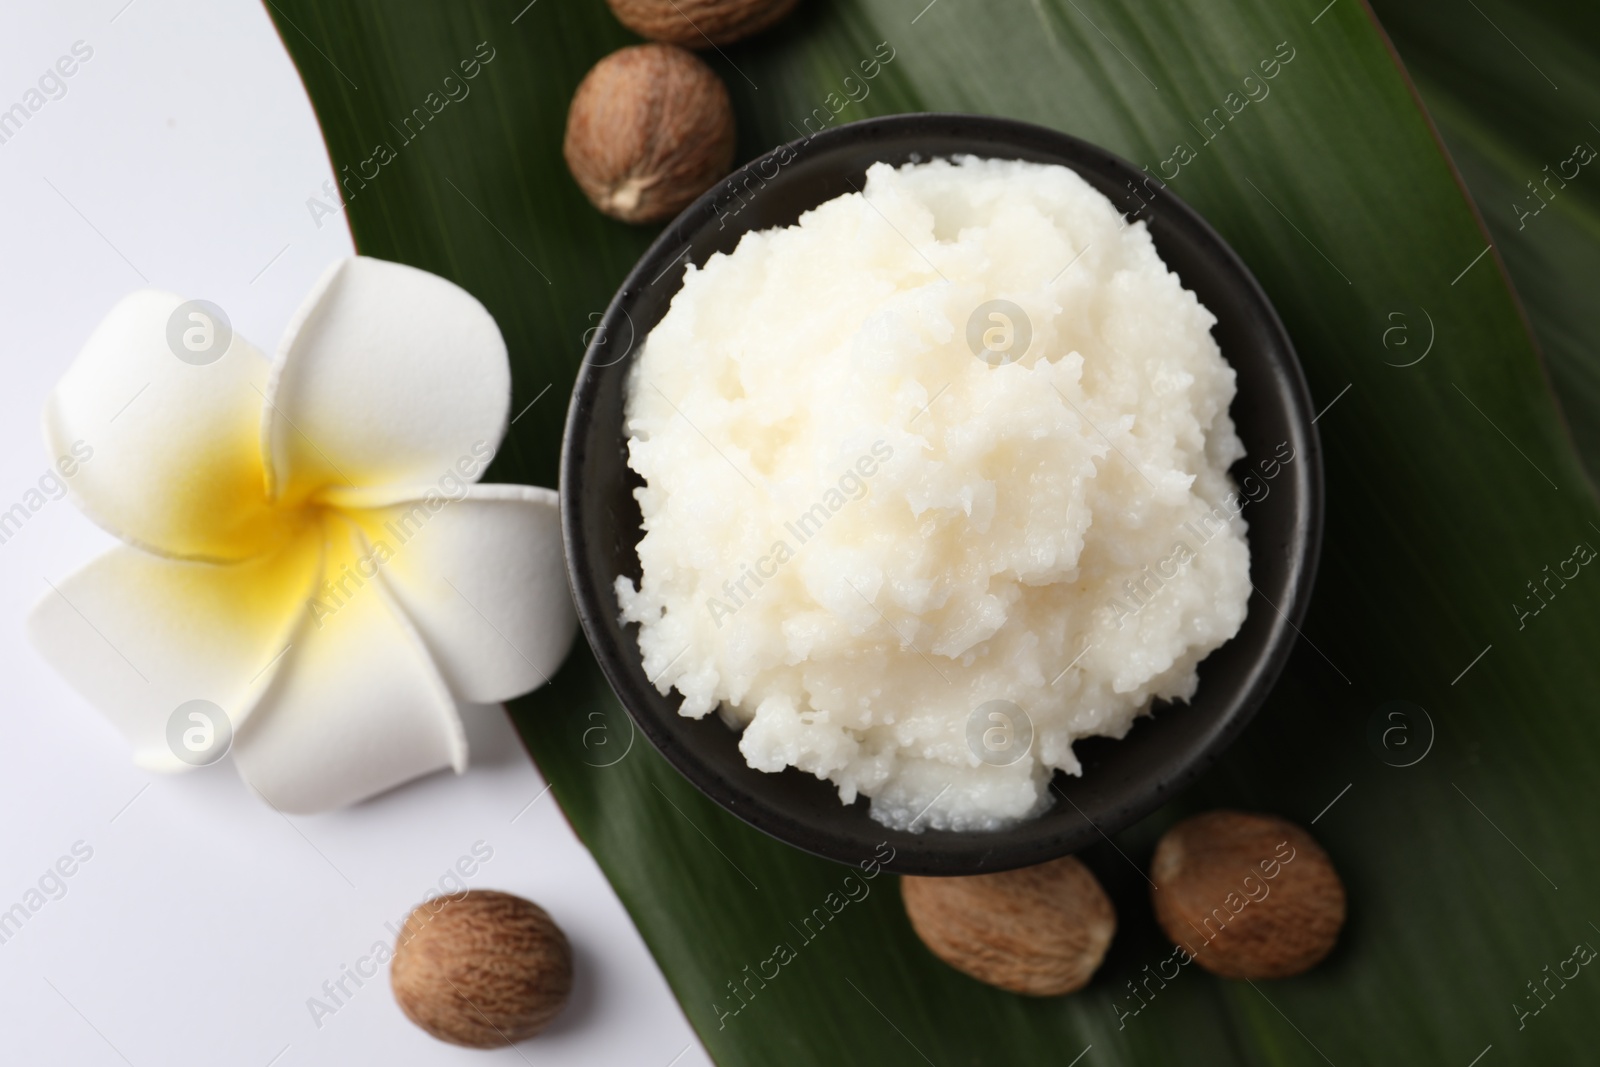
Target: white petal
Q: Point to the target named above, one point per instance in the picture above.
(138, 635)
(164, 453)
(387, 375)
(356, 708)
(482, 578)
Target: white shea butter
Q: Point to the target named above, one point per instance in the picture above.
(915, 571)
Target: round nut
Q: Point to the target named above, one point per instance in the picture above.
(699, 23)
(1247, 896)
(1040, 930)
(650, 129)
(481, 969)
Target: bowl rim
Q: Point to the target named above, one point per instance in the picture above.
(610, 654)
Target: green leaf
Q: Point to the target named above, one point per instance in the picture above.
(1514, 89)
(1451, 486)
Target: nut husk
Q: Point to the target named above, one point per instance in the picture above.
(1247, 896)
(699, 23)
(482, 969)
(650, 128)
(1040, 930)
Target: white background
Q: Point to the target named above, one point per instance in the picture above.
(184, 151)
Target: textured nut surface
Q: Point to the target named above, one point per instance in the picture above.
(699, 23)
(1248, 896)
(650, 129)
(482, 969)
(1040, 930)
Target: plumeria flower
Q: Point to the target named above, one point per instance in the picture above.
(305, 545)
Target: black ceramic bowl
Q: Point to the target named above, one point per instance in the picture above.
(1122, 779)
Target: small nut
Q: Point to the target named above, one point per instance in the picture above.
(650, 129)
(1248, 896)
(481, 969)
(1040, 930)
(699, 23)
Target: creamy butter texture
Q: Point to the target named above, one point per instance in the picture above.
(953, 444)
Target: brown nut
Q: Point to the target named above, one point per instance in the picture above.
(699, 23)
(650, 129)
(1247, 896)
(481, 969)
(1040, 930)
